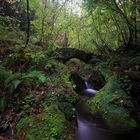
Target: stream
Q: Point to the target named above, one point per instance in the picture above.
(94, 129)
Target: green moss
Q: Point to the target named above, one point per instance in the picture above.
(35, 128)
(24, 122)
(56, 120)
(49, 125)
(86, 69)
(115, 106)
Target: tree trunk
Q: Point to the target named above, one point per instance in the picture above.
(43, 21)
(28, 24)
(135, 21)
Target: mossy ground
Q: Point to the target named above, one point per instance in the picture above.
(56, 103)
(49, 125)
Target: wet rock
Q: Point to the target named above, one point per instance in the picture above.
(79, 82)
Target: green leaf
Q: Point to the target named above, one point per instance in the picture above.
(35, 74)
(16, 83)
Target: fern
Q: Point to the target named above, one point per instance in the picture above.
(35, 74)
(7, 78)
(12, 80)
(4, 73)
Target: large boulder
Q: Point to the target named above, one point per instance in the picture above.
(115, 107)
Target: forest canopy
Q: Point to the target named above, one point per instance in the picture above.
(87, 24)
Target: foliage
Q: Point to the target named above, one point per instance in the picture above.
(8, 28)
(117, 18)
(35, 74)
(13, 81)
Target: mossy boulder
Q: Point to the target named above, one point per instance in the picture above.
(115, 107)
(49, 125)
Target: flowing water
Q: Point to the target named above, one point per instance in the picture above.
(89, 131)
(89, 91)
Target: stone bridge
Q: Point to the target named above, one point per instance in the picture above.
(65, 54)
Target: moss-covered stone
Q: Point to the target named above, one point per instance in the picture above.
(56, 119)
(49, 125)
(115, 106)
